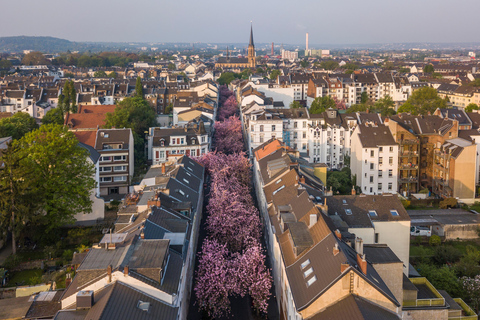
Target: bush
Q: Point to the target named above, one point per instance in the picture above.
(406, 203)
(424, 191)
(67, 256)
(443, 278)
(446, 254)
(435, 240)
(448, 203)
(12, 262)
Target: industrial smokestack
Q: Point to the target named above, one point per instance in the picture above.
(306, 46)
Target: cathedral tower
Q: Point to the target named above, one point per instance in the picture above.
(251, 50)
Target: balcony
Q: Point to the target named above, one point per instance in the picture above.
(466, 313)
(408, 179)
(427, 295)
(409, 154)
(409, 142)
(408, 166)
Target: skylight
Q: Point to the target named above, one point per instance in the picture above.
(181, 192)
(186, 181)
(311, 281)
(305, 263)
(275, 192)
(278, 181)
(344, 201)
(348, 211)
(394, 213)
(308, 272)
(372, 213)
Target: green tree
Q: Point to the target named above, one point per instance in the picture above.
(69, 75)
(471, 106)
(54, 116)
(350, 66)
(295, 105)
(67, 101)
(171, 66)
(320, 104)
(428, 68)
(17, 125)
(168, 108)
(139, 88)
(443, 278)
(340, 181)
(364, 97)
(329, 65)
(404, 70)
(134, 113)
(468, 264)
(34, 58)
(100, 74)
(5, 64)
(17, 199)
(226, 78)
(475, 83)
(274, 74)
(423, 101)
(304, 64)
(50, 169)
(113, 75)
(385, 106)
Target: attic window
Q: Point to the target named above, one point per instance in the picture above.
(307, 272)
(305, 263)
(311, 281)
(275, 192)
(188, 182)
(105, 135)
(394, 213)
(142, 305)
(190, 169)
(348, 212)
(344, 201)
(278, 181)
(181, 192)
(372, 213)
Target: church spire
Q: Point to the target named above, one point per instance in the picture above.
(251, 35)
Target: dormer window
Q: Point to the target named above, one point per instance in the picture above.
(394, 213)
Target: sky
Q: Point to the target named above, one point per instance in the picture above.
(227, 21)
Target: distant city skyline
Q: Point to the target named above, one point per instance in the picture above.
(209, 21)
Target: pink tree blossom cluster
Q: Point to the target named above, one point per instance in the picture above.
(223, 94)
(229, 108)
(228, 135)
(471, 286)
(232, 262)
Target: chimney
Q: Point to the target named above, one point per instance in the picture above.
(125, 270)
(109, 273)
(344, 266)
(338, 234)
(353, 191)
(68, 280)
(367, 111)
(85, 299)
(142, 235)
(359, 245)
(336, 250)
(163, 168)
(302, 179)
(313, 220)
(362, 263)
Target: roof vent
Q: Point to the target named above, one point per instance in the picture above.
(142, 305)
(85, 299)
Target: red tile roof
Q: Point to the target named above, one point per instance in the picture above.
(88, 137)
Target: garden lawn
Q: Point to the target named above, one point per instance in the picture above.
(23, 277)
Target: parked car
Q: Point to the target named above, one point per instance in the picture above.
(420, 231)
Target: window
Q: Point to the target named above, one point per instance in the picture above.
(389, 186)
(394, 213)
(371, 166)
(380, 149)
(253, 128)
(379, 187)
(304, 146)
(273, 127)
(119, 158)
(105, 179)
(307, 272)
(305, 263)
(311, 281)
(390, 173)
(372, 153)
(105, 169)
(391, 149)
(376, 237)
(261, 128)
(103, 159)
(380, 160)
(182, 141)
(380, 173)
(119, 179)
(390, 160)
(120, 168)
(371, 179)
(304, 134)
(162, 154)
(372, 213)
(348, 212)
(304, 124)
(203, 139)
(295, 124)
(261, 139)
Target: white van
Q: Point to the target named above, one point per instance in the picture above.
(420, 231)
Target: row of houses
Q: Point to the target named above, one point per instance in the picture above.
(339, 257)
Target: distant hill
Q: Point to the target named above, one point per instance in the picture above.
(43, 44)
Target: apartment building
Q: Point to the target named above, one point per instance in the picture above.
(374, 159)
